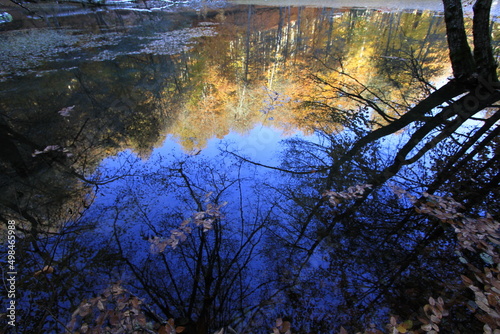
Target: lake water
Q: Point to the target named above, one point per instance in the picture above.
(181, 145)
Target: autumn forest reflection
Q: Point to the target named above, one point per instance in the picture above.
(198, 170)
(262, 71)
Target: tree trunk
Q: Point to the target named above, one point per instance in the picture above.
(483, 52)
(461, 58)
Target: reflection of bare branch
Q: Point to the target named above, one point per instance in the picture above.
(417, 70)
(137, 273)
(319, 170)
(26, 8)
(356, 93)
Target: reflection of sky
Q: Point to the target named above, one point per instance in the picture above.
(139, 199)
(262, 144)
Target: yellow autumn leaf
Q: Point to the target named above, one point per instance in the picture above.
(404, 326)
(401, 328)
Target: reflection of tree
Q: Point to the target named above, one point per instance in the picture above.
(213, 272)
(102, 109)
(47, 149)
(278, 48)
(375, 245)
(54, 138)
(340, 258)
(222, 77)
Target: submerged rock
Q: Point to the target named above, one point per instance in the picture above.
(5, 17)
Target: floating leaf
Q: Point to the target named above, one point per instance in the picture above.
(84, 309)
(483, 306)
(100, 305)
(165, 329)
(435, 319)
(466, 280)
(488, 259)
(141, 319)
(135, 302)
(401, 329)
(45, 270)
(84, 328)
(114, 318)
(286, 326)
(65, 111)
(408, 324)
(426, 327)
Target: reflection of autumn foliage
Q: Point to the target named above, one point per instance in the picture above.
(397, 71)
(204, 219)
(115, 311)
(231, 88)
(480, 236)
(476, 236)
(282, 327)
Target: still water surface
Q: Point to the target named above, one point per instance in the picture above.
(154, 109)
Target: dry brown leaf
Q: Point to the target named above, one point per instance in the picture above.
(120, 305)
(483, 306)
(163, 329)
(426, 327)
(435, 319)
(135, 302)
(45, 270)
(114, 318)
(84, 328)
(286, 326)
(101, 318)
(84, 309)
(100, 305)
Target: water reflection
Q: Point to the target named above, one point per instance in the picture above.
(252, 72)
(142, 119)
